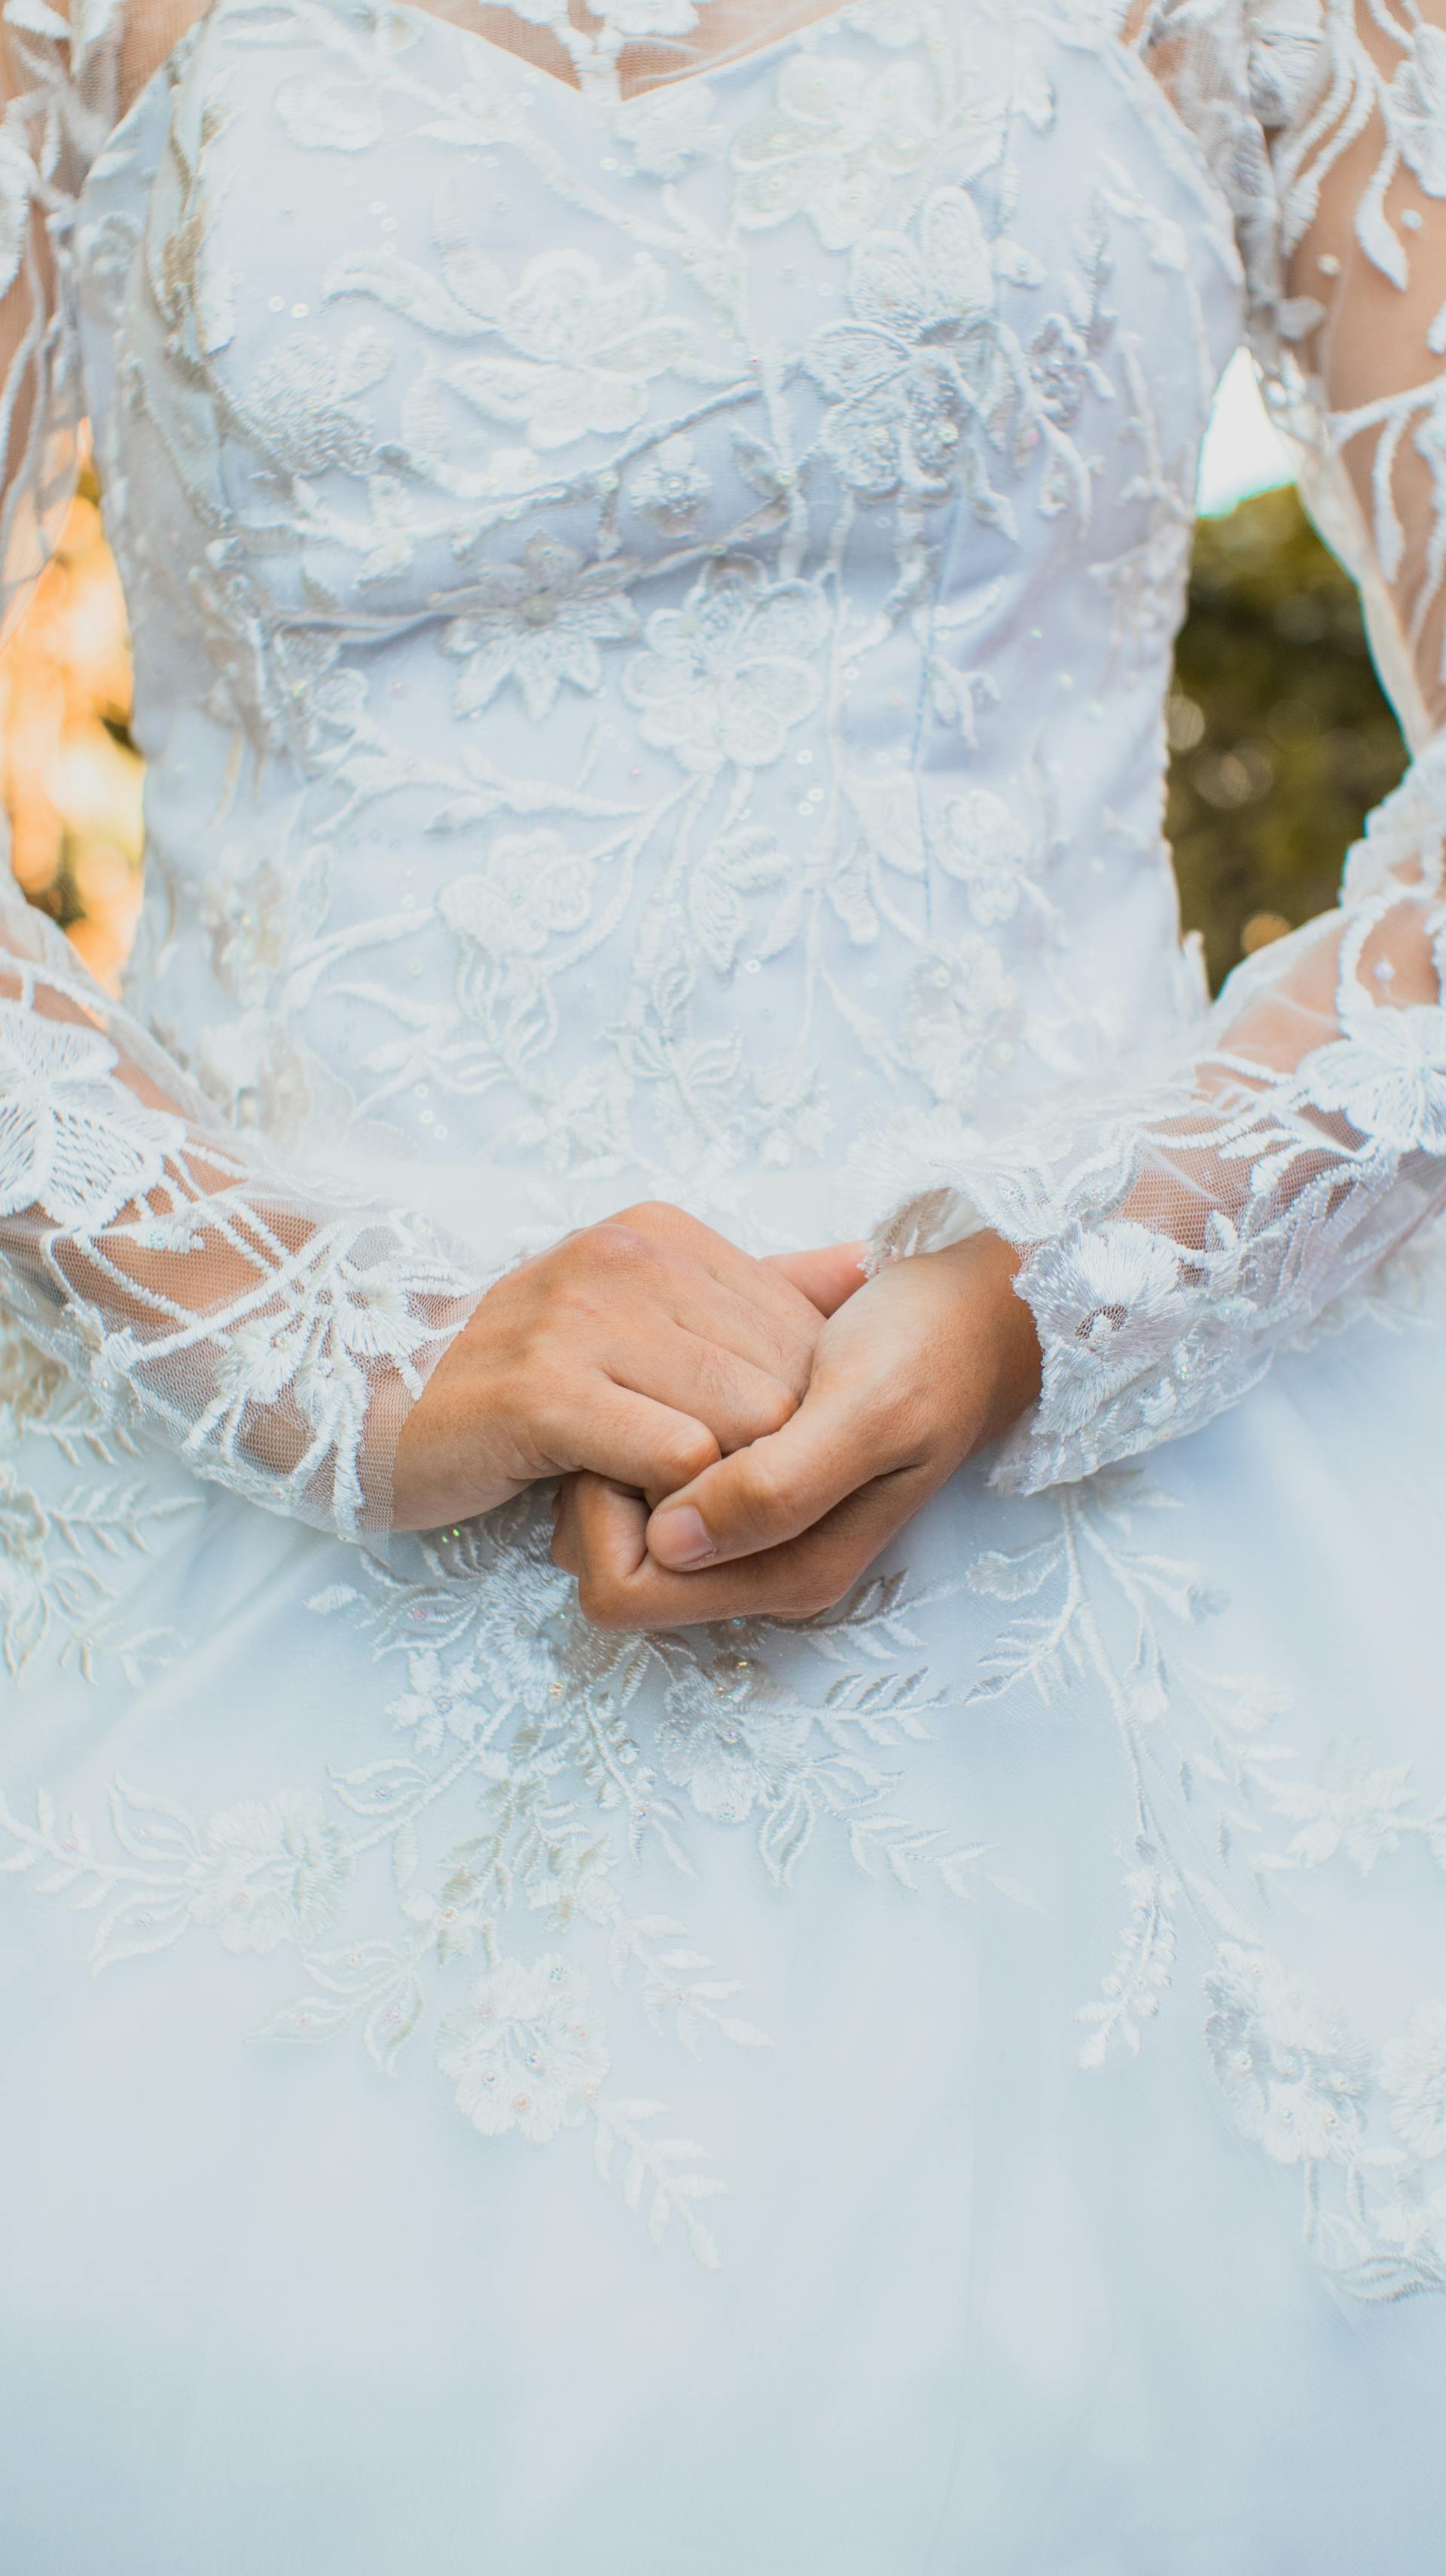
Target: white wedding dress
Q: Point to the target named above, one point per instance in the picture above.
(653, 602)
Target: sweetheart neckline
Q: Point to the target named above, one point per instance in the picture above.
(416, 12)
(608, 100)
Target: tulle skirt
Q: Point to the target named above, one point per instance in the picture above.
(961, 2085)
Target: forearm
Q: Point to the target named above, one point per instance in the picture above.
(1173, 1235)
(276, 1341)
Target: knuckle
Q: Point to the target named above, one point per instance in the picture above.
(616, 1245)
(776, 1405)
(601, 1603)
(686, 1455)
(794, 1365)
(649, 1217)
(562, 1263)
(763, 1488)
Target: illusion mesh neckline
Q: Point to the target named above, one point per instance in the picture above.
(624, 49)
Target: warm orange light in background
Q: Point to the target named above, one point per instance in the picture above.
(69, 778)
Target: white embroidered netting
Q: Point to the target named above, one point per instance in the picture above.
(1178, 1232)
(276, 1340)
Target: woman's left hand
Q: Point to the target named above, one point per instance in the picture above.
(920, 1367)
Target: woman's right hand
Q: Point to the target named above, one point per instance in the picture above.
(644, 1348)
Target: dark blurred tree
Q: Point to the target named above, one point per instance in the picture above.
(1281, 738)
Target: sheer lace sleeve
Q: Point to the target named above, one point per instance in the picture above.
(276, 1341)
(1176, 1234)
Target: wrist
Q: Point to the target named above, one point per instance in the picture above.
(1003, 1340)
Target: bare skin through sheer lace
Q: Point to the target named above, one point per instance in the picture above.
(697, 40)
(1173, 1249)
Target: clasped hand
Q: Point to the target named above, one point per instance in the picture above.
(734, 1437)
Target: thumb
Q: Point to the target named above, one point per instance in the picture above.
(827, 1275)
(767, 1493)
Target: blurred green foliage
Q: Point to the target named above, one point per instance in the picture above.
(1281, 738)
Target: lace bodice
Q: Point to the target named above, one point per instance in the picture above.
(652, 604)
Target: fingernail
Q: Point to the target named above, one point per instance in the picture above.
(679, 1538)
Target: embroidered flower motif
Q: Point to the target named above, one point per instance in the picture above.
(917, 378)
(271, 1871)
(357, 1309)
(891, 22)
(17, 191)
(1109, 1302)
(637, 18)
(1416, 108)
(1352, 1807)
(75, 1142)
(254, 912)
(439, 1700)
(1387, 1076)
(728, 1751)
(728, 675)
(107, 1360)
(330, 115)
(960, 1016)
(1406, 832)
(540, 623)
(302, 405)
(1061, 367)
(1413, 2072)
(669, 485)
(665, 129)
(29, 1386)
(173, 1229)
(620, 18)
(1293, 2081)
(1288, 60)
(585, 349)
(887, 805)
(280, 683)
(1416, 2229)
(837, 136)
(795, 1118)
(24, 1537)
(735, 865)
(525, 2050)
(529, 887)
(984, 845)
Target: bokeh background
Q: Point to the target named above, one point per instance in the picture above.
(1280, 738)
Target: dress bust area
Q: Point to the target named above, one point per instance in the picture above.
(625, 48)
